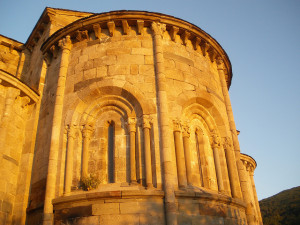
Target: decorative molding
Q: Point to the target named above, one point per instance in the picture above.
(176, 125)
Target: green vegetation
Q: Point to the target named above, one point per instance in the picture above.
(89, 183)
(282, 209)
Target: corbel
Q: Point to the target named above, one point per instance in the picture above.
(47, 58)
(97, 30)
(212, 54)
(54, 51)
(173, 32)
(204, 47)
(126, 27)
(185, 37)
(140, 26)
(196, 42)
(111, 27)
(81, 35)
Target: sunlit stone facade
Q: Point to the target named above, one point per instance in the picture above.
(136, 102)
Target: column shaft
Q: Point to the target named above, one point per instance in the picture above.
(255, 198)
(132, 132)
(218, 169)
(65, 44)
(182, 182)
(163, 123)
(69, 162)
(237, 166)
(187, 153)
(86, 134)
(148, 160)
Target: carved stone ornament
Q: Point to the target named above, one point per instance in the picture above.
(147, 120)
(227, 143)
(87, 130)
(65, 43)
(186, 130)
(176, 125)
(220, 63)
(81, 35)
(215, 140)
(132, 124)
(158, 28)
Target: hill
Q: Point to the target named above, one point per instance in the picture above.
(282, 208)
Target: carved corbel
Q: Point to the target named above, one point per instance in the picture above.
(220, 63)
(54, 51)
(81, 35)
(204, 47)
(173, 32)
(140, 26)
(24, 101)
(212, 54)
(185, 37)
(196, 42)
(126, 27)
(97, 30)
(111, 28)
(47, 58)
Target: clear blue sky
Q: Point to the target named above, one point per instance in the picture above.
(262, 40)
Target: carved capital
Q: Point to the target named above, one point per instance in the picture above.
(87, 131)
(158, 28)
(177, 125)
(215, 139)
(147, 120)
(71, 129)
(132, 124)
(65, 43)
(23, 100)
(186, 130)
(227, 143)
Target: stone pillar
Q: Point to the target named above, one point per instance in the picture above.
(236, 144)
(86, 137)
(258, 213)
(132, 132)
(215, 144)
(163, 120)
(246, 187)
(186, 145)
(147, 148)
(231, 165)
(65, 44)
(69, 163)
(180, 161)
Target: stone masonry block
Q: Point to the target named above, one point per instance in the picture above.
(118, 70)
(105, 60)
(105, 208)
(130, 59)
(141, 51)
(119, 219)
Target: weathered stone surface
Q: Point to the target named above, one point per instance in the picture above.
(118, 120)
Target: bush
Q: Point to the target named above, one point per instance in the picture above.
(89, 183)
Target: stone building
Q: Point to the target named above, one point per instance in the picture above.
(136, 102)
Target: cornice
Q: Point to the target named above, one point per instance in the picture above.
(110, 20)
(248, 159)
